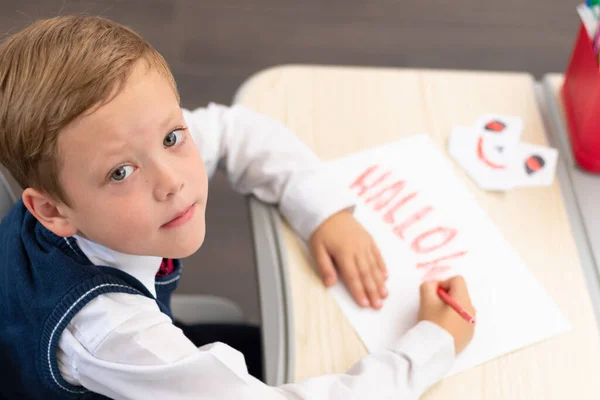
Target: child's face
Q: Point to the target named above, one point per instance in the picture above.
(130, 167)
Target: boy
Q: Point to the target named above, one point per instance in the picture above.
(115, 193)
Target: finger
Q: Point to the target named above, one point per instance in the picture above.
(351, 276)
(428, 291)
(457, 288)
(325, 265)
(368, 281)
(376, 273)
(380, 262)
(456, 282)
(379, 281)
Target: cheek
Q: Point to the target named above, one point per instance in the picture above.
(197, 172)
(115, 223)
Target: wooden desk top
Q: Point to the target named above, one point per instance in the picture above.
(339, 110)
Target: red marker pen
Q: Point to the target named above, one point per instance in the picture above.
(452, 303)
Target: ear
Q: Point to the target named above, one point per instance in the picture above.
(46, 210)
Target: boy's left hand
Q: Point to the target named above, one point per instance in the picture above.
(343, 242)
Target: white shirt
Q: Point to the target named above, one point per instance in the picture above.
(122, 346)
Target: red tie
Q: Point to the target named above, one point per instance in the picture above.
(166, 267)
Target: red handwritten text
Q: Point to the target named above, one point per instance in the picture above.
(388, 197)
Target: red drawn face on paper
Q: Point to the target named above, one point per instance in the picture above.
(534, 164)
(495, 126)
(490, 152)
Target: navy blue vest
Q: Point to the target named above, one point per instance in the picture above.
(44, 281)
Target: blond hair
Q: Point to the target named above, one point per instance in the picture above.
(52, 72)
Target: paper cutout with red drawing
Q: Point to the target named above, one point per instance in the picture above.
(491, 154)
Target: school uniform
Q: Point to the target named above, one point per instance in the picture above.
(80, 320)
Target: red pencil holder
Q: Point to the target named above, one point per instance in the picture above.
(581, 100)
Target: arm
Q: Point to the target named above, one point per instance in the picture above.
(262, 157)
(144, 356)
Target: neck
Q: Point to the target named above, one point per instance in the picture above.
(143, 268)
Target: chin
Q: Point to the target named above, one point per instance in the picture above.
(183, 250)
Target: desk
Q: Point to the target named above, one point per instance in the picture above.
(339, 110)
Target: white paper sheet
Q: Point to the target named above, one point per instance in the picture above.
(419, 211)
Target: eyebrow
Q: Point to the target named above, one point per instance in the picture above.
(165, 126)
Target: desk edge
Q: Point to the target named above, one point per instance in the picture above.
(274, 292)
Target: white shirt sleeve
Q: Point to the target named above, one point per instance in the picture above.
(262, 157)
(121, 345)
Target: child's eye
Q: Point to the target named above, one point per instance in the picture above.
(121, 173)
(173, 138)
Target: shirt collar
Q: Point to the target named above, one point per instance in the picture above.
(143, 268)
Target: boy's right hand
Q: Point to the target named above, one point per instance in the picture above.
(433, 309)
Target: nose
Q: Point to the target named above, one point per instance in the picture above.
(167, 182)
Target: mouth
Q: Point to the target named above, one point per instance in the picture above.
(483, 158)
(181, 217)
